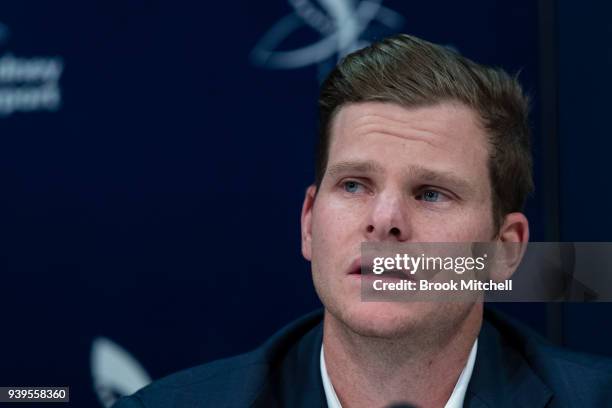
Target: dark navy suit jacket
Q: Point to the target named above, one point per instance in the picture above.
(514, 368)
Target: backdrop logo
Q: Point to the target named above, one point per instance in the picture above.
(114, 371)
(341, 26)
(28, 84)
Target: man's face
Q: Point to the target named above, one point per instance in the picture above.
(399, 175)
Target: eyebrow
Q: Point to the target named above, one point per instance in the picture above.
(366, 166)
(440, 177)
(420, 173)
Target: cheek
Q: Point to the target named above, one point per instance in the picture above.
(476, 228)
(327, 225)
(335, 222)
(473, 225)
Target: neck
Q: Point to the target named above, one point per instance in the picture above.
(416, 368)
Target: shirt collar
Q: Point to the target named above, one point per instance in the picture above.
(455, 400)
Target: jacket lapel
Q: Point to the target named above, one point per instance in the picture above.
(501, 376)
(296, 380)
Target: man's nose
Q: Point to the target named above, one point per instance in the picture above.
(388, 218)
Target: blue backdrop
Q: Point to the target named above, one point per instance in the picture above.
(154, 156)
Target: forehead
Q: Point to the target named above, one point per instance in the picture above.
(445, 137)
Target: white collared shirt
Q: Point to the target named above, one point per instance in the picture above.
(455, 400)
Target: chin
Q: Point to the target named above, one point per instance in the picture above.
(385, 319)
(397, 320)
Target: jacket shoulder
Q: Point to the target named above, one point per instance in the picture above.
(231, 382)
(575, 378)
(585, 379)
(205, 385)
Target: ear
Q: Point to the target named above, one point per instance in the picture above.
(306, 221)
(513, 237)
(515, 228)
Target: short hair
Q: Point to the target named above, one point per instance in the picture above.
(412, 72)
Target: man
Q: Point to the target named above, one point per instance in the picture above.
(417, 144)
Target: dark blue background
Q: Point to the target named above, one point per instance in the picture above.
(159, 207)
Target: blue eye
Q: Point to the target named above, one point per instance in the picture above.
(431, 196)
(351, 186)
